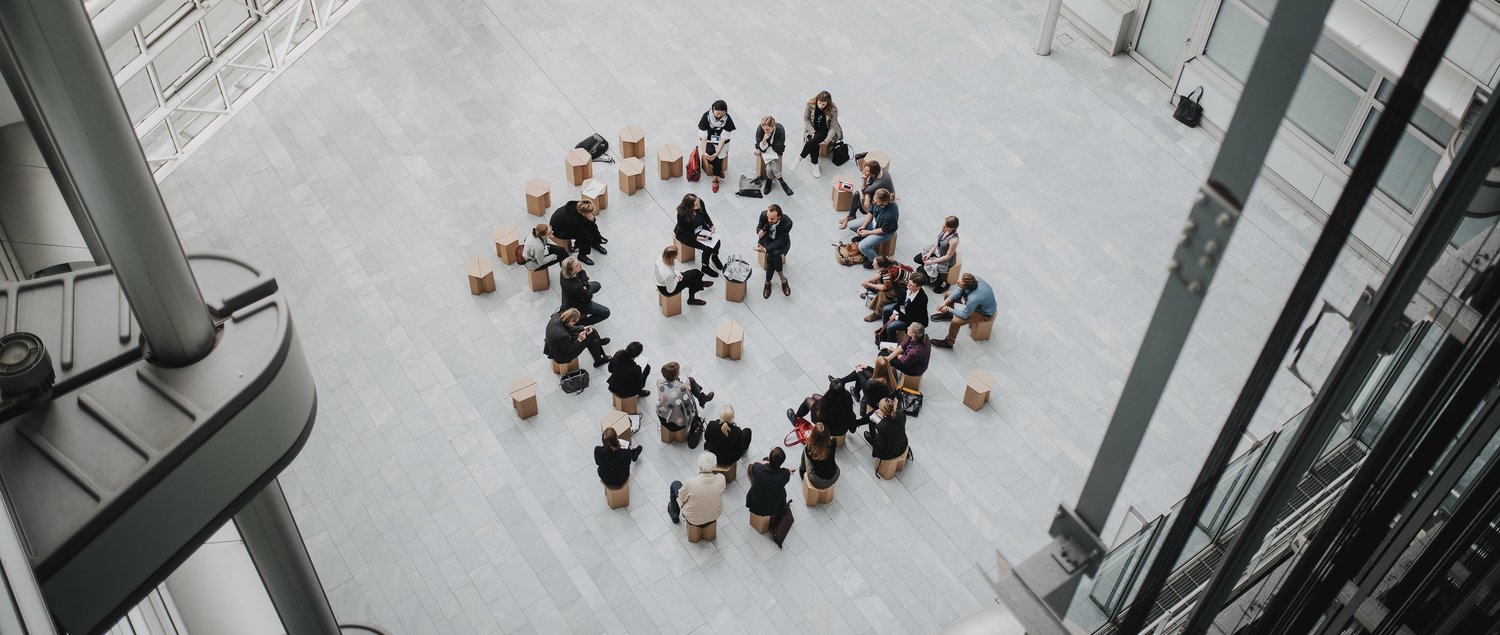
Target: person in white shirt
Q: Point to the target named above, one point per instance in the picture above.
(714, 128)
(669, 282)
(540, 252)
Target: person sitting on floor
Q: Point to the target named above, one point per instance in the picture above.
(577, 221)
(695, 228)
(939, 257)
(973, 302)
(678, 401)
(773, 235)
(540, 252)
(669, 282)
(566, 339)
(768, 479)
(906, 308)
(614, 461)
(887, 436)
(701, 499)
(871, 384)
(911, 357)
(727, 441)
(578, 293)
(626, 378)
(834, 409)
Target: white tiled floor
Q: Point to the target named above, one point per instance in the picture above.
(379, 163)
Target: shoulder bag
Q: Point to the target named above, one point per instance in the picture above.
(1189, 108)
(597, 147)
(838, 153)
(575, 381)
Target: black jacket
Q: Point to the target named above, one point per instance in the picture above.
(838, 420)
(561, 344)
(626, 378)
(876, 391)
(686, 232)
(726, 448)
(826, 469)
(778, 139)
(767, 495)
(913, 310)
(783, 242)
(614, 465)
(568, 224)
(576, 293)
(890, 437)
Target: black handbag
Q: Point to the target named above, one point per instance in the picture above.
(911, 402)
(1189, 108)
(575, 381)
(838, 153)
(596, 145)
(695, 432)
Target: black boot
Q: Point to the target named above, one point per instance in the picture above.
(785, 188)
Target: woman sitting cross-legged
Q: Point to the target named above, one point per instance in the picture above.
(669, 282)
(695, 228)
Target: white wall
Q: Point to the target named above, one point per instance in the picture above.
(1476, 46)
(217, 590)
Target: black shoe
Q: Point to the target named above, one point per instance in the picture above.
(604, 341)
(643, 393)
(868, 264)
(635, 452)
(786, 188)
(833, 380)
(791, 415)
(586, 260)
(696, 302)
(766, 189)
(601, 361)
(942, 317)
(601, 249)
(603, 240)
(942, 344)
(708, 283)
(708, 271)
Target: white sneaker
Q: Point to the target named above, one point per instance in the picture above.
(816, 172)
(795, 163)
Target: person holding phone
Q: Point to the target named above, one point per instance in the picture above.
(714, 129)
(613, 459)
(566, 339)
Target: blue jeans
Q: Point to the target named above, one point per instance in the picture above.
(868, 244)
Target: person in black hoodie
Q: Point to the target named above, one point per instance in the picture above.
(575, 221)
(714, 128)
(627, 378)
(578, 293)
(614, 461)
(693, 222)
(887, 435)
(770, 144)
(768, 479)
(727, 441)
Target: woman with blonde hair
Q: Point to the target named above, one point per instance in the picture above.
(669, 282)
(727, 441)
(539, 252)
(818, 463)
(820, 122)
(578, 221)
(770, 144)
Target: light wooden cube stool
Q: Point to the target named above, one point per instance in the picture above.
(632, 142)
(507, 243)
(977, 389)
(671, 305)
(668, 436)
(632, 175)
(617, 420)
(823, 148)
(669, 161)
(539, 280)
(523, 397)
(913, 382)
(813, 496)
(734, 291)
(565, 243)
(760, 257)
(886, 469)
(761, 524)
(617, 497)
(579, 166)
(538, 197)
(707, 532)
(626, 405)
(563, 369)
(760, 167)
(979, 326)
(730, 472)
(481, 276)
(729, 342)
(878, 156)
(887, 248)
(685, 252)
(596, 192)
(838, 440)
(843, 199)
(956, 269)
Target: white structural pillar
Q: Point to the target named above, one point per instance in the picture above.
(1049, 27)
(57, 71)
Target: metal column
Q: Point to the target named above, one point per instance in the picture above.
(57, 70)
(270, 534)
(1049, 27)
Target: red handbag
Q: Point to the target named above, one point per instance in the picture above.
(801, 430)
(693, 169)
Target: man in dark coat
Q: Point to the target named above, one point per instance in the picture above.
(774, 237)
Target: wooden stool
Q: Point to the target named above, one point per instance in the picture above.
(843, 200)
(632, 175)
(669, 161)
(977, 389)
(538, 197)
(913, 382)
(579, 166)
(760, 257)
(596, 192)
(626, 405)
(734, 291)
(565, 243)
(632, 142)
(878, 156)
(886, 469)
(979, 328)
(671, 305)
(481, 276)
(707, 532)
(685, 253)
(761, 524)
(760, 167)
(617, 497)
(563, 369)
(523, 397)
(887, 248)
(730, 472)
(539, 280)
(729, 342)
(617, 420)
(507, 243)
(956, 269)
(668, 436)
(813, 496)
(838, 440)
(823, 148)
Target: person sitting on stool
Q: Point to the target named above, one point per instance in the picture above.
(768, 479)
(539, 252)
(671, 283)
(626, 378)
(693, 227)
(727, 441)
(577, 221)
(773, 235)
(678, 401)
(911, 357)
(578, 293)
(908, 307)
(887, 436)
(974, 296)
(701, 499)
(614, 461)
(880, 226)
(874, 178)
(566, 339)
